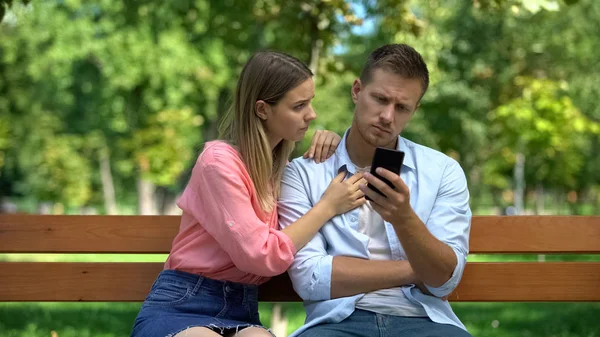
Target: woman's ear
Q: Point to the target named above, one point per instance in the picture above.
(261, 109)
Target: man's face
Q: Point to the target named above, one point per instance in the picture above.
(384, 106)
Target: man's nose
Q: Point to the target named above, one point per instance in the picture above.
(387, 115)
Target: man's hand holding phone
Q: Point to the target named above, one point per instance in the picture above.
(394, 204)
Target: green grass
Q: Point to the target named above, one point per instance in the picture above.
(67, 319)
(530, 319)
(482, 319)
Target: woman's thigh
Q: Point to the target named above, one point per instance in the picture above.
(197, 332)
(253, 332)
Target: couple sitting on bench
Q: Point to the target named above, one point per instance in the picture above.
(382, 267)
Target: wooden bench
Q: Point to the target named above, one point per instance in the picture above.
(130, 281)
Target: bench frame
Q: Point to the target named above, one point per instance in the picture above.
(131, 281)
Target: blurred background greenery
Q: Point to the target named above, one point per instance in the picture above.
(104, 106)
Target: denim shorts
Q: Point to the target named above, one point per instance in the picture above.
(180, 300)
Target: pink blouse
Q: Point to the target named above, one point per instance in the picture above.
(224, 233)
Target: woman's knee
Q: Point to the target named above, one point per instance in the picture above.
(197, 332)
(253, 332)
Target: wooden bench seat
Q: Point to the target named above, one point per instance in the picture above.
(131, 281)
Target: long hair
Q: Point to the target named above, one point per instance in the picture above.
(267, 76)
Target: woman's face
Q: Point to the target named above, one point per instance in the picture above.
(290, 117)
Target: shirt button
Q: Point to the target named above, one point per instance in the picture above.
(230, 224)
(353, 219)
(227, 289)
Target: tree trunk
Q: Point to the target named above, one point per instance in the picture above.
(519, 188)
(316, 43)
(146, 196)
(539, 210)
(595, 199)
(561, 202)
(108, 188)
(167, 202)
(474, 180)
(211, 127)
(87, 210)
(315, 55)
(45, 208)
(279, 321)
(539, 199)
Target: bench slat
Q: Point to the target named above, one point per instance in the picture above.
(515, 281)
(535, 234)
(87, 233)
(153, 234)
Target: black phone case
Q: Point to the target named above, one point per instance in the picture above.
(388, 159)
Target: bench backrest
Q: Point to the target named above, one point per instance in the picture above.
(130, 281)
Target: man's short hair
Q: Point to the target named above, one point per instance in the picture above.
(400, 59)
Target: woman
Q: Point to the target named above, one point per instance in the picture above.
(228, 242)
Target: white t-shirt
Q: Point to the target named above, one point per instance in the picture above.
(390, 301)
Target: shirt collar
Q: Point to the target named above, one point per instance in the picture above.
(343, 162)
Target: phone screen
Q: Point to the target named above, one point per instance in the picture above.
(388, 159)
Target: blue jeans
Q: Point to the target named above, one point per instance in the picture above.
(179, 300)
(369, 324)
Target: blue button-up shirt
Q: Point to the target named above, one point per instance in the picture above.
(438, 195)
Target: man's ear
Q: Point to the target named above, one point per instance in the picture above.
(416, 108)
(356, 88)
(261, 109)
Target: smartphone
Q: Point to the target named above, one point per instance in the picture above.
(388, 159)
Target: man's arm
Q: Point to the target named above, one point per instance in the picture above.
(318, 276)
(437, 252)
(433, 260)
(351, 276)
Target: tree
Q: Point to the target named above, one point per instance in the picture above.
(105, 70)
(544, 127)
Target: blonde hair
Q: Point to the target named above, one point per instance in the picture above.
(267, 76)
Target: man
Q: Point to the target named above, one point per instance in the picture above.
(385, 268)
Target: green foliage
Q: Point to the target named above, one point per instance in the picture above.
(5, 139)
(547, 128)
(59, 172)
(146, 82)
(163, 149)
(104, 72)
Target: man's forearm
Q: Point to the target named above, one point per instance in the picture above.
(433, 261)
(351, 276)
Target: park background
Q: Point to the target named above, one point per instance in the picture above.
(104, 106)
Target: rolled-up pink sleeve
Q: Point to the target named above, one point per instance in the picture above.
(218, 196)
